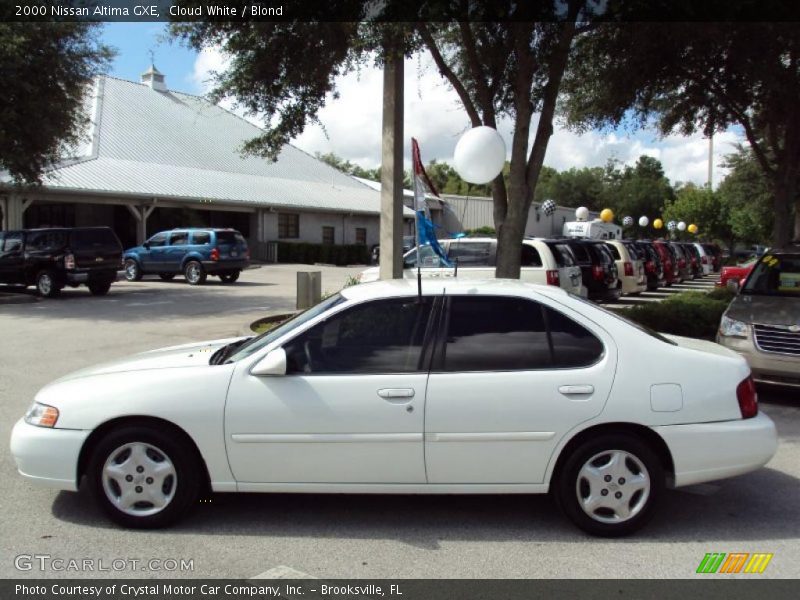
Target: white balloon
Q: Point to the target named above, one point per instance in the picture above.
(644, 221)
(681, 226)
(480, 155)
(582, 213)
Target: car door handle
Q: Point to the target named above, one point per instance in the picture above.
(396, 394)
(571, 390)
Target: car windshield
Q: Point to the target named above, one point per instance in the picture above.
(775, 275)
(257, 343)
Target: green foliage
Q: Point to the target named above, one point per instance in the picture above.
(574, 187)
(690, 314)
(309, 254)
(747, 195)
(724, 294)
(480, 231)
(45, 69)
(703, 207)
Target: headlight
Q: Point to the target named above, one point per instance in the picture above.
(41, 415)
(732, 328)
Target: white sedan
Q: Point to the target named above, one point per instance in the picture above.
(482, 387)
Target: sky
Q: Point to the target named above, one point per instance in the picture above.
(351, 125)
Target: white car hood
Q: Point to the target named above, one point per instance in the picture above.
(187, 355)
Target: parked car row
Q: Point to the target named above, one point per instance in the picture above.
(53, 258)
(601, 270)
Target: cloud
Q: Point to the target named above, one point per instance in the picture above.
(350, 126)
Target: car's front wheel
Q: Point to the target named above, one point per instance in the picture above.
(609, 486)
(194, 272)
(133, 272)
(144, 477)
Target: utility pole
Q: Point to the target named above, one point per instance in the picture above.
(710, 158)
(391, 228)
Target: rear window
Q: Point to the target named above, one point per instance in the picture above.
(562, 254)
(581, 252)
(94, 238)
(614, 252)
(230, 237)
(530, 257)
(633, 250)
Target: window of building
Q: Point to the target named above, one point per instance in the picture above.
(383, 336)
(288, 225)
(328, 234)
(361, 235)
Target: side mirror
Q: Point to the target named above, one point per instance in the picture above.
(146, 245)
(272, 364)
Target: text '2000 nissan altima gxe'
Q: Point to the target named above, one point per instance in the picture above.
(479, 387)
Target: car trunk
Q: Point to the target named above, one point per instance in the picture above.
(231, 245)
(95, 249)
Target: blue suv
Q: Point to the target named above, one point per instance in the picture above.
(195, 252)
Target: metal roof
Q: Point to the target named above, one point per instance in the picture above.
(170, 145)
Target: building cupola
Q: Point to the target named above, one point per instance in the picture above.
(154, 79)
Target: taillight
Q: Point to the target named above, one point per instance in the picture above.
(215, 254)
(628, 269)
(681, 264)
(247, 253)
(69, 261)
(748, 398)
(552, 278)
(597, 272)
(704, 260)
(650, 266)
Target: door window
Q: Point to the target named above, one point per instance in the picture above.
(179, 238)
(158, 240)
(471, 254)
(328, 234)
(383, 336)
(573, 345)
(46, 240)
(12, 243)
(201, 238)
(493, 333)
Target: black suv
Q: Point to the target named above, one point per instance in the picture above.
(55, 257)
(598, 269)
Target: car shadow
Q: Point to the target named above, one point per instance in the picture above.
(757, 506)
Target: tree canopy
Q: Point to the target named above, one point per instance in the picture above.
(46, 68)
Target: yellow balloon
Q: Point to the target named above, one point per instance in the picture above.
(607, 215)
(658, 223)
(692, 228)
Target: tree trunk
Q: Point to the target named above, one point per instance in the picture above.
(796, 221)
(509, 243)
(783, 199)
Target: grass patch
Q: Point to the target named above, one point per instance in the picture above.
(690, 314)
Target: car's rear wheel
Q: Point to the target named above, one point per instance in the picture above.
(144, 477)
(99, 288)
(194, 272)
(133, 272)
(609, 486)
(229, 277)
(46, 284)
(167, 276)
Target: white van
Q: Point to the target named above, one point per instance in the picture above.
(593, 230)
(630, 267)
(544, 261)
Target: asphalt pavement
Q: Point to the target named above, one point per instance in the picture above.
(356, 536)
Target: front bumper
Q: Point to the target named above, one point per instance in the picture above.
(47, 457)
(709, 451)
(767, 367)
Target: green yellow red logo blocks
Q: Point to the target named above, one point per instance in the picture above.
(734, 562)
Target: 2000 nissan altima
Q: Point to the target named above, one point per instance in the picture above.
(482, 387)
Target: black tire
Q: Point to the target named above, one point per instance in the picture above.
(167, 276)
(194, 272)
(572, 488)
(99, 288)
(47, 285)
(229, 277)
(183, 487)
(133, 271)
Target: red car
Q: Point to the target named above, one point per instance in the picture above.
(667, 256)
(734, 276)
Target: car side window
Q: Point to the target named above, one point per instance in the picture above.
(471, 254)
(573, 345)
(12, 243)
(581, 253)
(381, 336)
(46, 240)
(158, 240)
(179, 238)
(201, 238)
(491, 333)
(614, 251)
(530, 257)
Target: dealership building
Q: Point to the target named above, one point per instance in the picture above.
(153, 159)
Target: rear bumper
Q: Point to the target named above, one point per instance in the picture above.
(47, 457)
(84, 276)
(219, 266)
(710, 451)
(605, 295)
